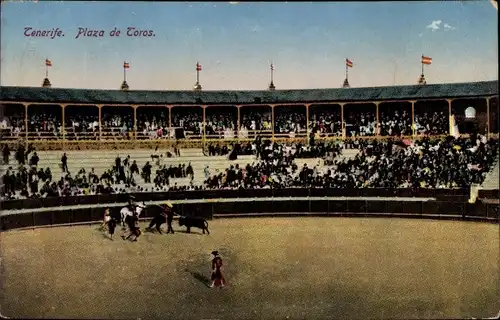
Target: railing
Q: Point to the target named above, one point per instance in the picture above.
(445, 194)
(265, 207)
(195, 141)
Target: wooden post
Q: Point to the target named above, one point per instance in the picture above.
(342, 122)
(99, 108)
(488, 117)
(272, 122)
(169, 121)
(204, 136)
(63, 125)
(377, 118)
(238, 122)
(26, 120)
(450, 127)
(307, 121)
(413, 131)
(135, 121)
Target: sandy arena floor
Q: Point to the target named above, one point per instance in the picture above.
(313, 268)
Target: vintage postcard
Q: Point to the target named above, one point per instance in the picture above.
(355, 144)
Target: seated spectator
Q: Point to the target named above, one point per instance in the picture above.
(395, 123)
(189, 119)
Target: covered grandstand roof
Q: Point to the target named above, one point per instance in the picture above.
(432, 91)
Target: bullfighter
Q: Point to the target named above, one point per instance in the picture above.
(217, 277)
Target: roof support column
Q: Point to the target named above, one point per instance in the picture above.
(204, 134)
(99, 109)
(307, 123)
(26, 120)
(377, 119)
(63, 125)
(488, 117)
(169, 121)
(135, 121)
(238, 122)
(413, 118)
(272, 122)
(450, 124)
(342, 123)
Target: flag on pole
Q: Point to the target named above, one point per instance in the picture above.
(272, 67)
(126, 65)
(198, 66)
(426, 60)
(348, 63)
(48, 63)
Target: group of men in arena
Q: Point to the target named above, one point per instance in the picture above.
(129, 217)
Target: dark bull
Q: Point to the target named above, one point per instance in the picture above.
(195, 222)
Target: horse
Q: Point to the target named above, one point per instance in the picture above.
(125, 212)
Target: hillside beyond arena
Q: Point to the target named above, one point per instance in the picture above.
(314, 268)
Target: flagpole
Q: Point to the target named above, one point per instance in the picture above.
(346, 70)
(272, 72)
(422, 62)
(124, 73)
(46, 68)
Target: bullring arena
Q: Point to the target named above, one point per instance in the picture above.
(305, 249)
(314, 268)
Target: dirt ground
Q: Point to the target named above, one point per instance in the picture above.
(276, 268)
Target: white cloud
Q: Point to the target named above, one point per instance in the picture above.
(448, 27)
(434, 25)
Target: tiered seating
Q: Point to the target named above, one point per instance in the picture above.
(102, 160)
(491, 181)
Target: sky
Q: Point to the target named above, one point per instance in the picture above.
(236, 42)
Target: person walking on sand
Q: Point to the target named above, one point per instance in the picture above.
(217, 277)
(169, 212)
(110, 222)
(134, 227)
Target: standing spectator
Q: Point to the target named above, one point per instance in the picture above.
(34, 160)
(64, 163)
(6, 154)
(20, 156)
(146, 171)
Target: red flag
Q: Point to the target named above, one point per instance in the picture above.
(426, 60)
(272, 67)
(198, 66)
(126, 65)
(348, 63)
(48, 63)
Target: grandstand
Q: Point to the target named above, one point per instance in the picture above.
(134, 123)
(492, 180)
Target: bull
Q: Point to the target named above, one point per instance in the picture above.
(196, 222)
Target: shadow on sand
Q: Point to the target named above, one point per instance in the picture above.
(200, 277)
(192, 232)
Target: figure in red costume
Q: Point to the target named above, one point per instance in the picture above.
(217, 277)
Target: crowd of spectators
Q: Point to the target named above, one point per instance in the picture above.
(81, 126)
(432, 123)
(395, 122)
(118, 123)
(253, 121)
(360, 122)
(449, 163)
(123, 177)
(44, 125)
(426, 163)
(290, 121)
(326, 122)
(190, 120)
(220, 126)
